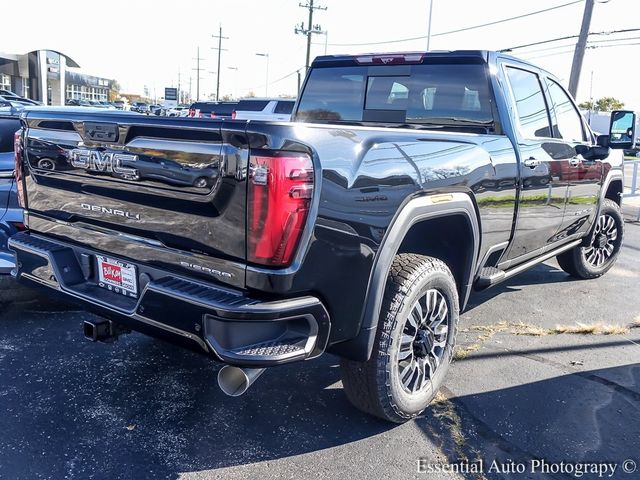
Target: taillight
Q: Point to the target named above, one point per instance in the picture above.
(280, 193)
(213, 115)
(19, 167)
(233, 115)
(192, 112)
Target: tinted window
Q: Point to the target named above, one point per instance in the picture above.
(451, 94)
(569, 122)
(8, 128)
(333, 94)
(252, 105)
(225, 108)
(203, 106)
(530, 104)
(284, 107)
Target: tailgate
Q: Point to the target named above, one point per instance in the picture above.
(167, 191)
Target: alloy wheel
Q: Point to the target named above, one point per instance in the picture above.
(424, 340)
(603, 241)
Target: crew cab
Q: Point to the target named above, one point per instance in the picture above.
(404, 182)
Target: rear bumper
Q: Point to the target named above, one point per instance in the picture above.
(223, 323)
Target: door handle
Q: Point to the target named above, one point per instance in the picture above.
(532, 162)
(575, 162)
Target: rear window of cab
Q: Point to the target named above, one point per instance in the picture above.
(433, 94)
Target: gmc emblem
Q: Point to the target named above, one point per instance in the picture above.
(96, 161)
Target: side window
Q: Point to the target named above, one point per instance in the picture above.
(569, 123)
(284, 107)
(530, 104)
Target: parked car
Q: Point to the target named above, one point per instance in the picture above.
(264, 109)
(179, 111)
(140, 107)
(635, 151)
(151, 167)
(360, 228)
(219, 110)
(119, 104)
(11, 215)
(75, 102)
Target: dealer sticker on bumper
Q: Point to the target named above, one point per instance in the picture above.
(117, 276)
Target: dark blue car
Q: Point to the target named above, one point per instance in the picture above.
(11, 217)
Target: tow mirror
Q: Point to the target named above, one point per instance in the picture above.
(622, 129)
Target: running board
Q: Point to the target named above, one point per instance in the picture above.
(490, 276)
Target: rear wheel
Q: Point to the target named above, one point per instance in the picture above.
(596, 258)
(414, 341)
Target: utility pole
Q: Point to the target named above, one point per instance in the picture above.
(581, 46)
(311, 30)
(179, 93)
(429, 24)
(197, 69)
(219, 48)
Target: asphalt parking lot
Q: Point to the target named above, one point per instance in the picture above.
(519, 390)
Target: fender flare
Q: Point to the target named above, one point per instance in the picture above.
(415, 211)
(612, 175)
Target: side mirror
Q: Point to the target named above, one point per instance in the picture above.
(622, 129)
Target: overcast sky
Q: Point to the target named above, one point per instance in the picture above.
(146, 43)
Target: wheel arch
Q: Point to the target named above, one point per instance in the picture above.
(416, 218)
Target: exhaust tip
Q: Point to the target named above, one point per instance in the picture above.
(234, 381)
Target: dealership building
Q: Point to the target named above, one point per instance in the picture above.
(46, 76)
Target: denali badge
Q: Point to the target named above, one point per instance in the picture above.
(109, 211)
(210, 271)
(97, 161)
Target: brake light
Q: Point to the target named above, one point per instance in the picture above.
(213, 115)
(192, 112)
(390, 59)
(233, 115)
(279, 197)
(19, 167)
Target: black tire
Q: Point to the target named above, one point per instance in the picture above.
(600, 252)
(376, 386)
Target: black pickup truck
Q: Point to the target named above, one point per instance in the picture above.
(404, 182)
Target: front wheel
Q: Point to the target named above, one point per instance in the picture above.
(414, 341)
(596, 258)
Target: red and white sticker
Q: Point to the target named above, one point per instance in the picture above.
(117, 276)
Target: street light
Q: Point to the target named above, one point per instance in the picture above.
(266, 87)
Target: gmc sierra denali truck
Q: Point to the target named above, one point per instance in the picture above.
(404, 182)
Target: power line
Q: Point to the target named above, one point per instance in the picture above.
(609, 40)
(617, 45)
(542, 42)
(465, 29)
(589, 46)
(277, 80)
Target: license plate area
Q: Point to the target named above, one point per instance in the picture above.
(117, 276)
